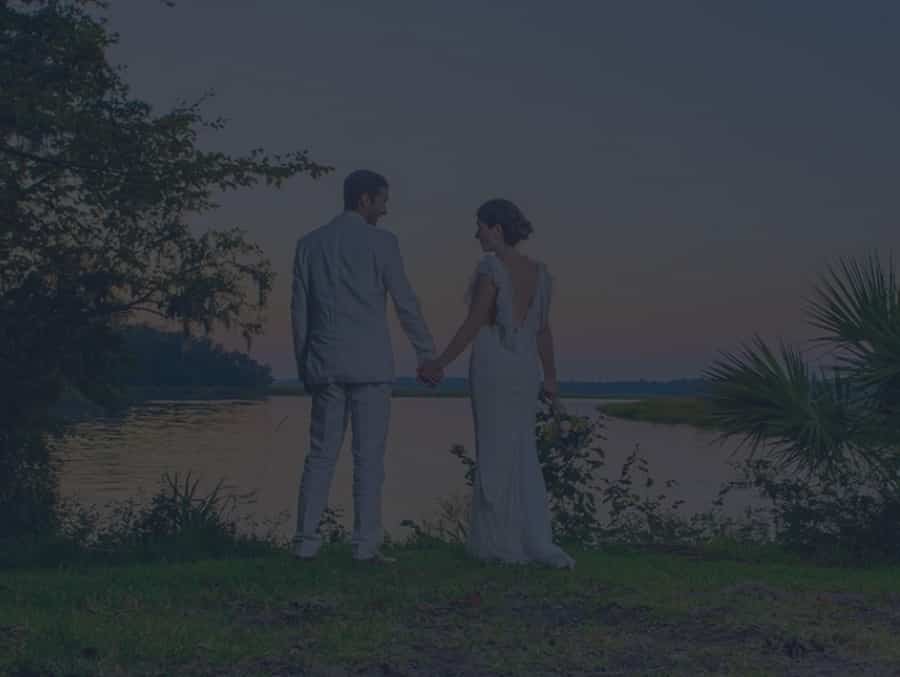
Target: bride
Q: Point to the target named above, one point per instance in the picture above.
(508, 320)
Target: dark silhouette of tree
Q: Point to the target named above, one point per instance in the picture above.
(169, 359)
(95, 189)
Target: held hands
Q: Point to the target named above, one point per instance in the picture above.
(430, 372)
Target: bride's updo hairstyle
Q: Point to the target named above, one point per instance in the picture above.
(510, 218)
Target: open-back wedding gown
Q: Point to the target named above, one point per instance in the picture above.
(510, 515)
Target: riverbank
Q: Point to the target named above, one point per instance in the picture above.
(293, 390)
(621, 611)
(636, 407)
(693, 411)
(683, 410)
(74, 406)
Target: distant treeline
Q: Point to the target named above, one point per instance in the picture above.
(683, 386)
(160, 359)
(643, 388)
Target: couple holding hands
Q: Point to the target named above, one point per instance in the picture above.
(343, 272)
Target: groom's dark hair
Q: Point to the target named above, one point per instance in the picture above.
(359, 183)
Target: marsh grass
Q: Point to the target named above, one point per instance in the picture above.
(693, 411)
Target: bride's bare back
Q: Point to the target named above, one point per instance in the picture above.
(523, 274)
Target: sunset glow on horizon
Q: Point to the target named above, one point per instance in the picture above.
(689, 169)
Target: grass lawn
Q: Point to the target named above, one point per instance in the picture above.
(436, 612)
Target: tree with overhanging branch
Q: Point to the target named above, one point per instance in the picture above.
(96, 193)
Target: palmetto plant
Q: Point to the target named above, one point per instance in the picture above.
(837, 420)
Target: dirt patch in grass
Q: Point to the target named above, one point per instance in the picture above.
(595, 637)
(516, 634)
(520, 625)
(886, 611)
(294, 613)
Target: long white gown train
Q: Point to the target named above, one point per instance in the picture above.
(510, 514)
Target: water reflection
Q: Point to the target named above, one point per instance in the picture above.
(259, 446)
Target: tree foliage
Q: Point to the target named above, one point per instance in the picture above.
(96, 192)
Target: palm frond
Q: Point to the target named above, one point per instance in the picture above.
(771, 400)
(859, 306)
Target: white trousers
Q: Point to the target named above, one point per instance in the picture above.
(368, 407)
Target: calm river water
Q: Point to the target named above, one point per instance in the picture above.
(260, 446)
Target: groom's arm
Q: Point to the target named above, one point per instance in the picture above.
(406, 302)
(300, 313)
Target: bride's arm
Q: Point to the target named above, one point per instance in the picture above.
(548, 361)
(479, 315)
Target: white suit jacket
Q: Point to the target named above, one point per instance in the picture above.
(343, 272)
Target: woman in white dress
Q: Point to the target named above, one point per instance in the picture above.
(508, 320)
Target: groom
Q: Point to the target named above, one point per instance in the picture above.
(342, 273)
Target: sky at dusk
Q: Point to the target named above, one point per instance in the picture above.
(689, 167)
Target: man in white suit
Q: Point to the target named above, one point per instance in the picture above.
(342, 274)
